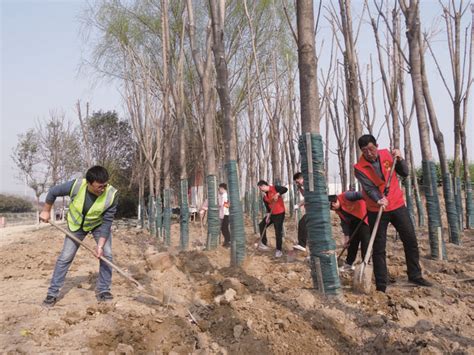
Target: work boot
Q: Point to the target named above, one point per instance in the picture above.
(104, 296)
(49, 301)
(420, 281)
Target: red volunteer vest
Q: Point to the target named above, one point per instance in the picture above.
(355, 208)
(395, 194)
(278, 205)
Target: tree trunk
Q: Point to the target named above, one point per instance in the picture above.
(351, 76)
(438, 249)
(464, 146)
(236, 214)
(322, 245)
(204, 69)
(410, 181)
(167, 125)
(179, 100)
(450, 203)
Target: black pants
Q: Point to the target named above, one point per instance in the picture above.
(302, 232)
(362, 237)
(277, 221)
(225, 230)
(400, 219)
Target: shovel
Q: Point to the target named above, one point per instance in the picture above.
(362, 281)
(138, 285)
(262, 234)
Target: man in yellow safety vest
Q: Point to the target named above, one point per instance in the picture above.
(92, 209)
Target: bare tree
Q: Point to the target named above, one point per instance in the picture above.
(351, 77)
(83, 121)
(411, 13)
(459, 95)
(321, 243)
(179, 103)
(27, 157)
(203, 63)
(217, 11)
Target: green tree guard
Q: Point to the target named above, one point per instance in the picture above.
(451, 210)
(438, 248)
(167, 216)
(184, 215)
(322, 246)
(213, 223)
(158, 217)
(237, 230)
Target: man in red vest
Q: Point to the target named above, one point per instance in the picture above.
(275, 214)
(350, 206)
(373, 170)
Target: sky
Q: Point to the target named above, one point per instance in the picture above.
(41, 54)
(42, 51)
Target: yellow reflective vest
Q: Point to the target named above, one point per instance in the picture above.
(75, 219)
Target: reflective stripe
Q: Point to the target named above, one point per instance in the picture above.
(76, 187)
(109, 199)
(75, 219)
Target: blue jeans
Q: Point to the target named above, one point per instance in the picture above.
(67, 256)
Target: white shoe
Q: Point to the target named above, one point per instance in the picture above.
(299, 247)
(262, 246)
(278, 254)
(346, 267)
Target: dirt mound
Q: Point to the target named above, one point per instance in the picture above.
(207, 307)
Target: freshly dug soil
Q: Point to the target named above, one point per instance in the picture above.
(266, 307)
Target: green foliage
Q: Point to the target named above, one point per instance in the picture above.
(419, 173)
(14, 204)
(112, 146)
(110, 140)
(128, 201)
(27, 155)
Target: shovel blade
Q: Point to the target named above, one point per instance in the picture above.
(362, 281)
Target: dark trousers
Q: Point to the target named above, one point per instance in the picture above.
(277, 221)
(400, 219)
(302, 232)
(225, 230)
(362, 237)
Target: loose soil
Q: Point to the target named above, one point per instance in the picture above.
(205, 307)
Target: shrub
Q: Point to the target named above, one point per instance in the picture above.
(9, 203)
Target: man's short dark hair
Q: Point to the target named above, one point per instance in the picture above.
(297, 176)
(97, 173)
(332, 198)
(261, 183)
(365, 140)
(223, 185)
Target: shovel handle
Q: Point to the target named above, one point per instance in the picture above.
(368, 253)
(108, 262)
